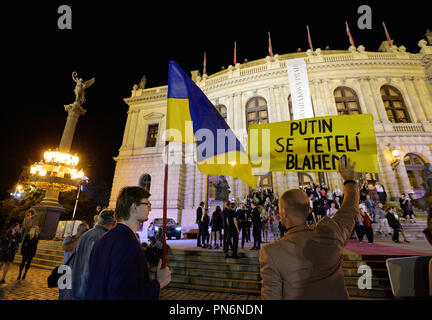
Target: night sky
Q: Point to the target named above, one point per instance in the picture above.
(117, 42)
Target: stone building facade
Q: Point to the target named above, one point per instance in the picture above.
(393, 85)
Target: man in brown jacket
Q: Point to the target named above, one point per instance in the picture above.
(307, 262)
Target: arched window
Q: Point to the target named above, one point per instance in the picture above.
(222, 110)
(414, 166)
(347, 101)
(290, 108)
(145, 181)
(394, 104)
(256, 111)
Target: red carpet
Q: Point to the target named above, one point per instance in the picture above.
(380, 249)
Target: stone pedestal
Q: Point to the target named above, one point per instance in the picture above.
(213, 204)
(47, 215)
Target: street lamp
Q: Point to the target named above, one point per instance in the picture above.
(395, 156)
(83, 181)
(58, 170)
(19, 191)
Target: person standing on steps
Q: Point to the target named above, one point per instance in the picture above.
(199, 214)
(256, 226)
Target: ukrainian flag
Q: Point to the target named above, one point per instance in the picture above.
(191, 118)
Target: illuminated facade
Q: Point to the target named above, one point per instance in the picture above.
(393, 85)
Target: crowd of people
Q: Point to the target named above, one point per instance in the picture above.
(256, 218)
(25, 234)
(109, 262)
(106, 261)
(250, 219)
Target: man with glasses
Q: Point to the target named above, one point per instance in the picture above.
(118, 265)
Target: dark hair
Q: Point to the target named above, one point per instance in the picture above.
(127, 197)
(106, 217)
(201, 203)
(13, 226)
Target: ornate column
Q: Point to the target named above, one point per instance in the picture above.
(368, 103)
(314, 99)
(319, 107)
(74, 111)
(199, 192)
(190, 185)
(335, 180)
(376, 94)
(232, 185)
(424, 97)
(132, 129)
(126, 130)
(281, 182)
(414, 106)
(325, 108)
(282, 106)
(292, 180)
(402, 177)
(387, 174)
(242, 110)
(272, 113)
(331, 107)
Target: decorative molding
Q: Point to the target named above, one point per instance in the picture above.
(154, 116)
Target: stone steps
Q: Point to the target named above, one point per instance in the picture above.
(413, 231)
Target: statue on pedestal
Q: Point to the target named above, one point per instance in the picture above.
(81, 85)
(222, 189)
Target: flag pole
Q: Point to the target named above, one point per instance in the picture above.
(309, 38)
(207, 190)
(387, 35)
(164, 227)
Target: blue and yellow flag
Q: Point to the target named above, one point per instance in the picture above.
(192, 118)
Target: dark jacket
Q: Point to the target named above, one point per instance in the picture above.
(80, 268)
(29, 246)
(205, 220)
(199, 214)
(256, 220)
(392, 221)
(11, 242)
(118, 268)
(216, 221)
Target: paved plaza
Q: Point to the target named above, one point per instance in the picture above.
(34, 287)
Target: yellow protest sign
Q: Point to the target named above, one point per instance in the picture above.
(314, 144)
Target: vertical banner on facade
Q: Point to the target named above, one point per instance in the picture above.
(299, 85)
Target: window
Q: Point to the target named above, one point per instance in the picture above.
(152, 135)
(145, 181)
(256, 111)
(222, 110)
(347, 101)
(414, 166)
(394, 104)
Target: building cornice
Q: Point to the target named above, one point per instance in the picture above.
(264, 69)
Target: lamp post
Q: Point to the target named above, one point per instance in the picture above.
(80, 185)
(58, 171)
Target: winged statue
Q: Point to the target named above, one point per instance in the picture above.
(80, 86)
